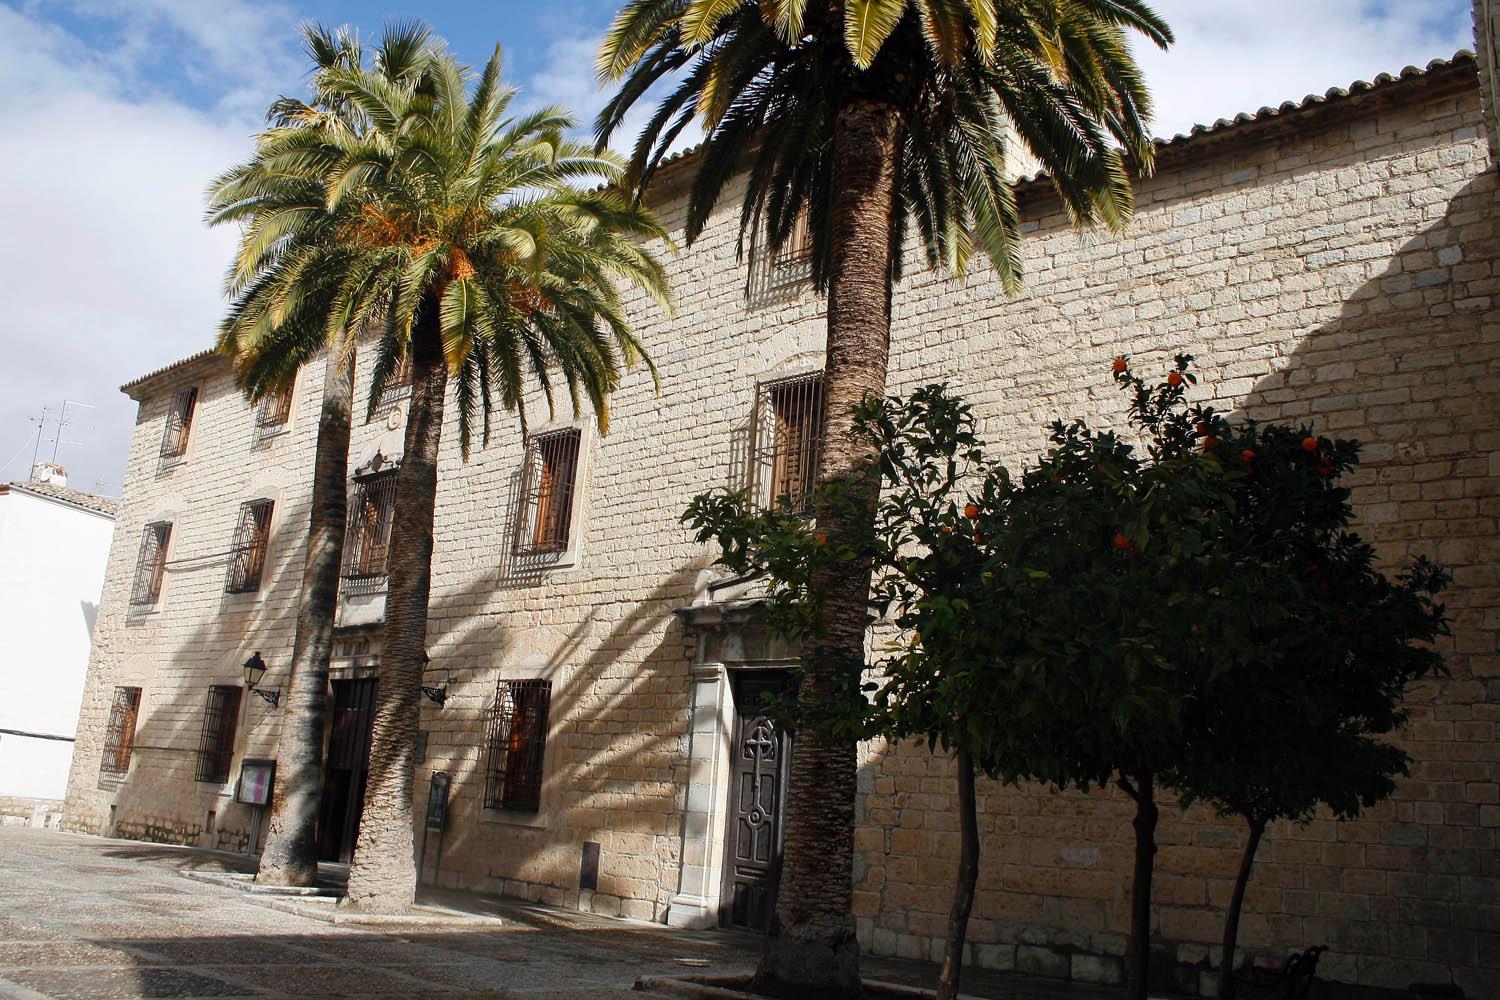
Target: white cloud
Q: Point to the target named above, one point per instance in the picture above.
(1241, 57)
(106, 268)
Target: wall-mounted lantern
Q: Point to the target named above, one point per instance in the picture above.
(255, 669)
(435, 693)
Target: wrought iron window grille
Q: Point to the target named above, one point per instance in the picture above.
(273, 415)
(786, 441)
(517, 745)
(119, 738)
(395, 390)
(548, 491)
(150, 565)
(367, 542)
(247, 555)
(782, 275)
(174, 438)
(221, 718)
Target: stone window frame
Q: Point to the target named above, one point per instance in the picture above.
(119, 734)
(220, 733)
(250, 547)
(177, 431)
(156, 545)
(531, 557)
(529, 668)
(273, 414)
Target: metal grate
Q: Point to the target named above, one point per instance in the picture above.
(781, 275)
(273, 414)
(786, 441)
(174, 438)
(247, 556)
(151, 564)
(395, 389)
(518, 744)
(119, 738)
(367, 544)
(221, 717)
(547, 497)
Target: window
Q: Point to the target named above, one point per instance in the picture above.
(221, 717)
(273, 414)
(787, 442)
(550, 485)
(151, 564)
(119, 738)
(367, 545)
(781, 275)
(247, 556)
(174, 439)
(518, 742)
(395, 389)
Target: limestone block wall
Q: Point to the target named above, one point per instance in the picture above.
(197, 635)
(1342, 272)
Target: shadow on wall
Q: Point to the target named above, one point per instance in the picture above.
(615, 760)
(1410, 367)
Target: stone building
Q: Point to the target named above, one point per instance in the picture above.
(1331, 261)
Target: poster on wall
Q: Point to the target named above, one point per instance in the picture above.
(257, 775)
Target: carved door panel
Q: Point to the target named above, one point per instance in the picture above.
(757, 781)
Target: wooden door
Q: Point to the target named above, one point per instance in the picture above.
(760, 758)
(347, 766)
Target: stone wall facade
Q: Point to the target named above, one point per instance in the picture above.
(1334, 263)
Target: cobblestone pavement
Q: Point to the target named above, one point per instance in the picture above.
(91, 918)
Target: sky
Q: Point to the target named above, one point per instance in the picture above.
(118, 114)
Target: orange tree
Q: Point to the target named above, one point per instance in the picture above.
(1189, 611)
(1324, 647)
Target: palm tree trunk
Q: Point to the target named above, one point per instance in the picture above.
(383, 874)
(811, 949)
(1236, 904)
(963, 889)
(1138, 973)
(290, 856)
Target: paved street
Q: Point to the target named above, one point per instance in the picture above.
(90, 918)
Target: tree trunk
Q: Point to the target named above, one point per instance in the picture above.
(290, 856)
(1138, 975)
(383, 875)
(1236, 904)
(811, 949)
(963, 889)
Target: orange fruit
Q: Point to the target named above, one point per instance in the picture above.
(1120, 366)
(1325, 470)
(971, 511)
(1174, 379)
(1210, 442)
(1247, 456)
(1309, 444)
(1121, 542)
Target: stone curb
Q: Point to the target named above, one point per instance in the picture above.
(318, 903)
(719, 988)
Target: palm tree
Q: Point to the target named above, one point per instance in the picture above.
(869, 115)
(457, 231)
(257, 192)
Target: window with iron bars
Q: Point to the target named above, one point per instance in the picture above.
(517, 745)
(367, 544)
(780, 275)
(174, 438)
(221, 718)
(273, 414)
(151, 564)
(395, 389)
(119, 738)
(247, 555)
(550, 486)
(786, 441)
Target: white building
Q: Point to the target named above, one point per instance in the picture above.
(54, 542)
